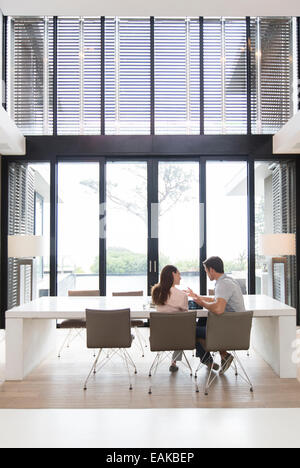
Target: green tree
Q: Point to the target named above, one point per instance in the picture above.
(174, 186)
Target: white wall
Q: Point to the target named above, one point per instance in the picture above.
(153, 7)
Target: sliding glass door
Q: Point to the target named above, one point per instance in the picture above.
(227, 212)
(127, 227)
(152, 216)
(179, 219)
(78, 227)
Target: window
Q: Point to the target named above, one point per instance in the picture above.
(177, 76)
(272, 74)
(78, 227)
(275, 206)
(29, 214)
(79, 76)
(225, 76)
(128, 85)
(127, 76)
(179, 220)
(227, 231)
(30, 87)
(127, 227)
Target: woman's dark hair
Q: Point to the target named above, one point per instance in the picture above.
(216, 263)
(162, 290)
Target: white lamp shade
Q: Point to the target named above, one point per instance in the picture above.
(25, 246)
(276, 245)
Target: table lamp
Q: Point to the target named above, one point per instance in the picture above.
(278, 247)
(25, 248)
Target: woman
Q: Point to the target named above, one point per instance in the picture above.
(168, 298)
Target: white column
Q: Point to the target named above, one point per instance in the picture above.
(272, 338)
(28, 343)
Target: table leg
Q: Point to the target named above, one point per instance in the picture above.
(28, 343)
(272, 338)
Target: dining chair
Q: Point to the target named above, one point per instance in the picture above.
(230, 331)
(171, 332)
(109, 329)
(136, 324)
(76, 326)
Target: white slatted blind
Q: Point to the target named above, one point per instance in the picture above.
(213, 85)
(20, 221)
(225, 76)
(235, 76)
(177, 76)
(30, 88)
(127, 76)
(285, 221)
(272, 73)
(79, 76)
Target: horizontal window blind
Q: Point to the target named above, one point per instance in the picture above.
(21, 187)
(285, 221)
(127, 76)
(177, 76)
(30, 88)
(79, 76)
(272, 73)
(225, 76)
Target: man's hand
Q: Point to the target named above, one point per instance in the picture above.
(195, 297)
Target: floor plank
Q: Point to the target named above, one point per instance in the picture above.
(58, 383)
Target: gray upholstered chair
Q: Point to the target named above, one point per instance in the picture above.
(75, 327)
(171, 332)
(228, 332)
(109, 329)
(136, 324)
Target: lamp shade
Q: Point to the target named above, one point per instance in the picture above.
(273, 245)
(25, 246)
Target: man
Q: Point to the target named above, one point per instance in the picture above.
(228, 298)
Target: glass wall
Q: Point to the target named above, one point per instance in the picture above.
(78, 227)
(179, 224)
(275, 215)
(177, 70)
(179, 220)
(127, 227)
(227, 224)
(28, 215)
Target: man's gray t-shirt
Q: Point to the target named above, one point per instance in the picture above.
(229, 289)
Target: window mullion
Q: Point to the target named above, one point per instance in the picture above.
(81, 58)
(46, 77)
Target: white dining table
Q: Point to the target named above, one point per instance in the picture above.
(31, 328)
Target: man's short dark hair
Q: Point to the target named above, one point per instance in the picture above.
(216, 263)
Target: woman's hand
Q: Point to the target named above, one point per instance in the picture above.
(193, 295)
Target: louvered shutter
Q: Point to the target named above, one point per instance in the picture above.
(127, 76)
(235, 76)
(225, 76)
(20, 221)
(30, 88)
(272, 73)
(79, 76)
(284, 220)
(177, 76)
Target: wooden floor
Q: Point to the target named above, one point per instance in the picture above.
(58, 383)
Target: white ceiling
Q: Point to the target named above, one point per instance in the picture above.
(153, 7)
